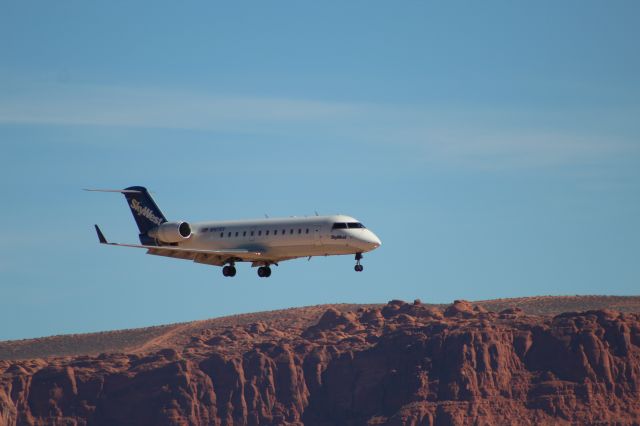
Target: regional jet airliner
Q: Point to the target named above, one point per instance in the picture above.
(262, 242)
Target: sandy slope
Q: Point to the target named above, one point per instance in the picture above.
(152, 338)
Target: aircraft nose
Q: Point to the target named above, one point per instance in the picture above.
(373, 240)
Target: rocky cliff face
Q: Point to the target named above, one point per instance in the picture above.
(402, 364)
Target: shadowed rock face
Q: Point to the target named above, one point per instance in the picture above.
(402, 364)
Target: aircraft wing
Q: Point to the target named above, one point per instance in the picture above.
(211, 257)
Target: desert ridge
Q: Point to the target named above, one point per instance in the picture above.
(139, 340)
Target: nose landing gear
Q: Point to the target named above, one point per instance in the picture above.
(358, 267)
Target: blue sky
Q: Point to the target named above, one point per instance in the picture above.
(493, 147)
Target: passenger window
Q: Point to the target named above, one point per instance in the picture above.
(275, 232)
(259, 233)
(252, 233)
(267, 233)
(229, 235)
(299, 231)
(306, 231)
(236, 233)
(244, 233)
(222, 235)
(291, 231)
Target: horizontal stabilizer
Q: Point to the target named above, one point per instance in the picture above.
(123, 191)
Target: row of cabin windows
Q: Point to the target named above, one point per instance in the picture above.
(252, 233)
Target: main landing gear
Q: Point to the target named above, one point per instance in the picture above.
(229, 270)
(358, 267)
(264, 272)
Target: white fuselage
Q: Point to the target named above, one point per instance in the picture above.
(285, 238)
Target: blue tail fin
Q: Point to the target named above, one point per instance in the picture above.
(145, 211)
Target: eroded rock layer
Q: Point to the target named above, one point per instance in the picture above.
(402, 364)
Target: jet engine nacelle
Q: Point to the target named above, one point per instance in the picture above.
(171, 232)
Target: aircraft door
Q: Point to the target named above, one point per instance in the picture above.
(317, 235)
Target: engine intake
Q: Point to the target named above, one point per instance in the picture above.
(171, 232)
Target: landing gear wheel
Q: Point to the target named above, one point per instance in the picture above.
(229, 271)
(358, 267)
(264, 272)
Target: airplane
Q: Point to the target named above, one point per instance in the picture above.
(263, 242)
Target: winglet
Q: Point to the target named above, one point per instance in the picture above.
(101, 237)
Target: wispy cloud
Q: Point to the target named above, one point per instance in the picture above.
(494, 148)
(121, 106)
(461, 136)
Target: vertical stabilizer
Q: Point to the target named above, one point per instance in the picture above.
(145, 211)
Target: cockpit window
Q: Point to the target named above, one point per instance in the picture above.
(355, 225)
(350, 225)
